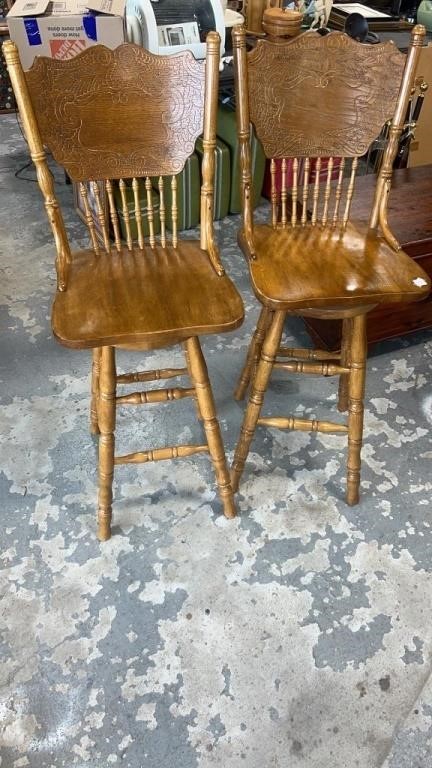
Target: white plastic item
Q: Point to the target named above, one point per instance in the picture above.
(232, 18)
(162, 39)
(133, 29)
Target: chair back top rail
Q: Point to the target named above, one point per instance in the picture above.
(108, 116)
(317, 103)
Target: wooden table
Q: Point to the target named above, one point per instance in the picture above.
(410, 218)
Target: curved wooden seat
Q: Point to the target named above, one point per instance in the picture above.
(161, 296)
(318, 266)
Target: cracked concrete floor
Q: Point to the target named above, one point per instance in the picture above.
(297, 634)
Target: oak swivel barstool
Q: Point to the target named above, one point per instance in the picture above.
(323, 99)
(109, 116)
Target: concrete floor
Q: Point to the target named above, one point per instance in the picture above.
(298, 634)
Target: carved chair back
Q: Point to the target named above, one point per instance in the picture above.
(321, 100)
(111, 119)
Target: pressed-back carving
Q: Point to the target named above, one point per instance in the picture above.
(317, 103)
(123, 123)
(118, 114)
(319, 96)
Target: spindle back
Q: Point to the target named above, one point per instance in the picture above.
(122, 123)
(317, 103)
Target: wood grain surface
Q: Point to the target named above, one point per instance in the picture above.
(113, 120)
(317, 103)
(320, 96)
(118, 114)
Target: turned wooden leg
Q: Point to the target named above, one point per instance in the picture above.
(106, 414)
(256, 397)
(253, 353)
(347, 327)
(356, 389)
(207, 409)
(186, 353)
(94, 426)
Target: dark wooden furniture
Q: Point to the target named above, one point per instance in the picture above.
(410, 218)
(311, 98)
(108, 116)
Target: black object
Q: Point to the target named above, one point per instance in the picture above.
(405, 9)
(356, 26)
(411, 119)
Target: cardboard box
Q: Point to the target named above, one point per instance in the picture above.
(64, 28)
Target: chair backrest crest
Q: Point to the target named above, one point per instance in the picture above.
(109, 116)
(118, 113)
(317, 103)
(320, 96)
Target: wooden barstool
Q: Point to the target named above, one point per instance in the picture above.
(316, 104)
(110, 116)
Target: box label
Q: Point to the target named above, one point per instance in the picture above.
(28, 8)
(66, 49)
(33, 34)
(89, 24)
